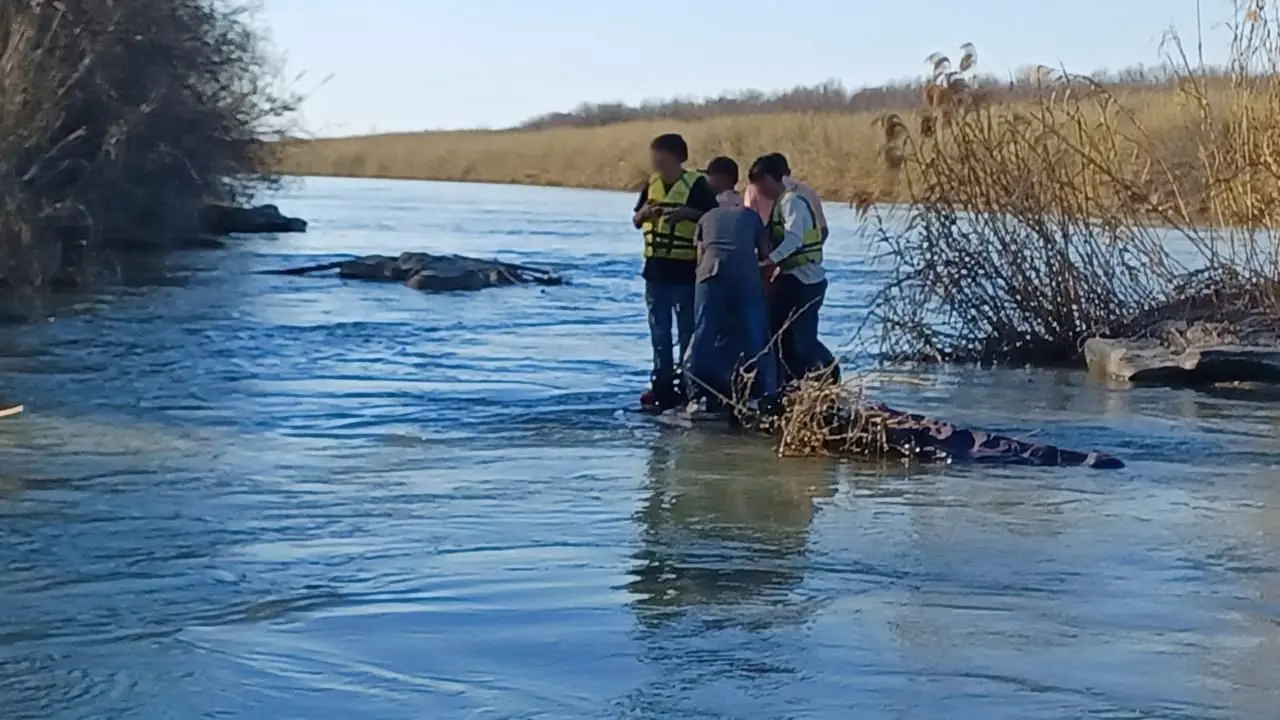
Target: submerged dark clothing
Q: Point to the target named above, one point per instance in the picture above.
(665, 270)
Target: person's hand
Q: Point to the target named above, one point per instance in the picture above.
(769, 270)
(648, 212)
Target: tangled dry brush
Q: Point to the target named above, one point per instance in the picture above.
(1034, 226)
(118, 121)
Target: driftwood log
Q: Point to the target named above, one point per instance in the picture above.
(434, 273)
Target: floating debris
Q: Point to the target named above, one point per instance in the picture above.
(435, 273)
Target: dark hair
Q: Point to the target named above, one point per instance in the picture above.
(673, 144)
(766, 165)
(723, 166)
(782, 162)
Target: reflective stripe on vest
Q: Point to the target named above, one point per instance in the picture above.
(810, 250)
(662, 238)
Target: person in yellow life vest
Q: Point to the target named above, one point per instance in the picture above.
(795, 264)
(667, 213)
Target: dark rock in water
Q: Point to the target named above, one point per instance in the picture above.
(435, 273)
(228, 220)
(1196, 354)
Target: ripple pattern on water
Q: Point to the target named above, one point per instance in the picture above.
(239, 495)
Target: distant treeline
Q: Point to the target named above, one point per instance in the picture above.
(832, 96)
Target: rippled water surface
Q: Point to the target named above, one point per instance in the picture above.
(249, 496)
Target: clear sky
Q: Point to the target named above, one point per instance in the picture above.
(405, 65)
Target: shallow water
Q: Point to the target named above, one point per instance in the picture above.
(248, 496)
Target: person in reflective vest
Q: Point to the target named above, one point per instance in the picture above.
(764, 206)
(799, 282)
(667, 213)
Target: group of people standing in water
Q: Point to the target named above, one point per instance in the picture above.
(740, 274)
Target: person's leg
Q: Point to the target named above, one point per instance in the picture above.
(810, 354)
(657, 300)
(787, 296)
(754, 334)
(703, 366)
(682, 304)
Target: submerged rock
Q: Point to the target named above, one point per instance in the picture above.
(434, 273)
(229, 219)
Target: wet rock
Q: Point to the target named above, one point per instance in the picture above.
(229, 219)
(1196, 354)
(433, 273)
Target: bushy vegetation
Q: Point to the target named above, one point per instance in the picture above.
(118, 122)
(1084, 213)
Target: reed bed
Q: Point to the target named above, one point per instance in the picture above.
(840, 154)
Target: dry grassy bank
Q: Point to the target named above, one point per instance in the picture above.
(840, 154)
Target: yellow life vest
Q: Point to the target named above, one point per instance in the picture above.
(810, 250)
(662, 238)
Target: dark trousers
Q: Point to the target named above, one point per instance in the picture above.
(730, 326)
(794, 322)
(663, 302)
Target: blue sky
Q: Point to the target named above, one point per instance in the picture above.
(404, 65)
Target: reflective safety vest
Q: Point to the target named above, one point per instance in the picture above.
(662, 238)
(810, 250)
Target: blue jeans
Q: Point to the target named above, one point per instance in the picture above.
(794, 321)
(730, 323)
(662, 302)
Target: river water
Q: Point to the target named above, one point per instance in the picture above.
(247, 496)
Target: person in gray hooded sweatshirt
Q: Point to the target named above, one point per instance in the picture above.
(729, 299)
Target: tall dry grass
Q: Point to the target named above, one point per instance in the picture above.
(1082, 213)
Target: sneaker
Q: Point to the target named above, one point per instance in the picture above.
(648, 399)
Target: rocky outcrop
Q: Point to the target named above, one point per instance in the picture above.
(229, 220)
(435, 273)
(1192, 354)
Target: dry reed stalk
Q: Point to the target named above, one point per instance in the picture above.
(1029, 232)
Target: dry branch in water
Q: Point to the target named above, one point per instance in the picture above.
(1029, 231)
(118, 122)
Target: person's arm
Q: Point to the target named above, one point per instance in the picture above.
(698, 237)
(794, 223)
(644, 211)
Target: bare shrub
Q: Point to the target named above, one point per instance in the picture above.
(118, 122)
(1076, 214)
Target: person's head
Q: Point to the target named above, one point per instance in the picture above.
(766, 176)
(781, 160)
(668, 153)
(722, 174)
